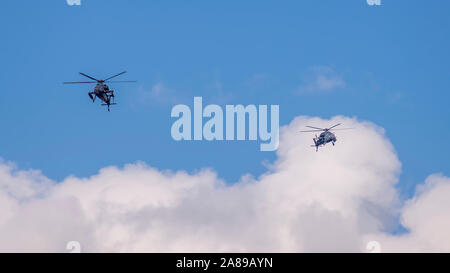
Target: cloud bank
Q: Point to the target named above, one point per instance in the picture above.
(337, 199)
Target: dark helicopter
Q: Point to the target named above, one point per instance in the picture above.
(101, 90)
(325, 137)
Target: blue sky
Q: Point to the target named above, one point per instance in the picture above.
(391, 63)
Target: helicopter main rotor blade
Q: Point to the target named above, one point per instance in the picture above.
(322, 129)
(116, 75)
(334, 126)
(342, 129)
(311, 131)
(122, 81)
(87, 76)
(77, 82)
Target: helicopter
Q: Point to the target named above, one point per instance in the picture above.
(101, 90)
(325, 137)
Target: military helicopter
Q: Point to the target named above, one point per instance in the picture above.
(101, 90)
(325, 137)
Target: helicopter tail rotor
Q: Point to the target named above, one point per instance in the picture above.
(108, 104)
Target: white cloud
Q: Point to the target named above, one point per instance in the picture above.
(160, 93)
(257, 81)
(321, 79)
(337, 199)
(427, 217)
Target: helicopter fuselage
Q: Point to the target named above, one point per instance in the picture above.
(102, 92)
(324, 138)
